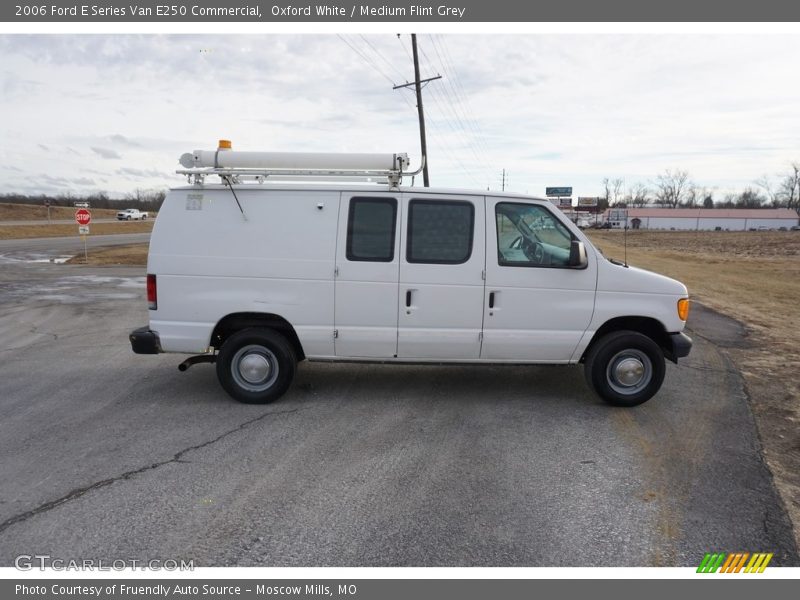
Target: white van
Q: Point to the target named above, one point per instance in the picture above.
(267, 269)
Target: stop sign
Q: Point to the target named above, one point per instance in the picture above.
(83, 216)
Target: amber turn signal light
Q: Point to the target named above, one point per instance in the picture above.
(683, 309)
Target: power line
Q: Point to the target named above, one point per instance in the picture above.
(366, 59)
(408, 54)
(459, 111)
(458, 88)
(382, 57)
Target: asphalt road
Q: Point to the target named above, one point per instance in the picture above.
(105, 454)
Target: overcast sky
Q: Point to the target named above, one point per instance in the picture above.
(84, 113)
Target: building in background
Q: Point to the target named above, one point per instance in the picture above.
(704, 219)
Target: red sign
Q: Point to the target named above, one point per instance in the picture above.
(83, 216)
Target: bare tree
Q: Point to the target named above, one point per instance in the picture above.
(750, 198)
(692, 194)
(765, 183)
(789, 190)
(671, 187)
(617, 188)
(637, 195)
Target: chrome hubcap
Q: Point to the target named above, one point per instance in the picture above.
(629, 371)
(254, 368)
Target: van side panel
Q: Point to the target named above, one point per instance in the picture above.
(210, 261)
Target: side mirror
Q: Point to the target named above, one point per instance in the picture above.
(577, 255)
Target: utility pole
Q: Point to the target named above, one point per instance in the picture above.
(418, 84)
(504, 180)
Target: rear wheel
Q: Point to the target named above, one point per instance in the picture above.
(256, 366)
(625, 368)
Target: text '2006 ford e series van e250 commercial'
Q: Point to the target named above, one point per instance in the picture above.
(297, 256)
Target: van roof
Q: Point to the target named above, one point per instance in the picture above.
(360, 188)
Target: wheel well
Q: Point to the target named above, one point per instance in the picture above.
(648, 326)
(238, 321)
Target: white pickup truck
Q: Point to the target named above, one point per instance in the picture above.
(131, 214)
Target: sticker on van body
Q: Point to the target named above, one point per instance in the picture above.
(194, 201)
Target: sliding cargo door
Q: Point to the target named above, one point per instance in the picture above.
(441, 277)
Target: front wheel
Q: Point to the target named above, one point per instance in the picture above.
(625, 368)
(256, 366)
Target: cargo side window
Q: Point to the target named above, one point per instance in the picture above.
(440, 232)
(371, 225)
(529, 235)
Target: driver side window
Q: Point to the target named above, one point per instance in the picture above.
(528, 235)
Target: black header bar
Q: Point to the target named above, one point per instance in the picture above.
(443, 11)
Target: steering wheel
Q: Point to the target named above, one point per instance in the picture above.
(538, 253)
(534, 251)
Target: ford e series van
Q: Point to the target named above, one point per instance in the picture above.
(320, 257)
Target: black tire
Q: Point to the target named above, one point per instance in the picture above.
(606, 372)
(271, 366)
(129, 218)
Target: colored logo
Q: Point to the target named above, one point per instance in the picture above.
(735, 562)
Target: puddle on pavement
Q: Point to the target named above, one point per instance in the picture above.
(30, 257)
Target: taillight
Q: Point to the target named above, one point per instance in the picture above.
(152, 292)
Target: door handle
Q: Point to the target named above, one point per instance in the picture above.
(491, 299)
(408, 298)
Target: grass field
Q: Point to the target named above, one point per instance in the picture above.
(129, 254)
(9, 232)
(30, 212)
(752, 275)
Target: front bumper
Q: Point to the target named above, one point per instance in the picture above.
(678, 346)
(144, 341)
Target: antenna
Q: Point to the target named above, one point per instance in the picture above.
(625, 237)
(227, 179)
